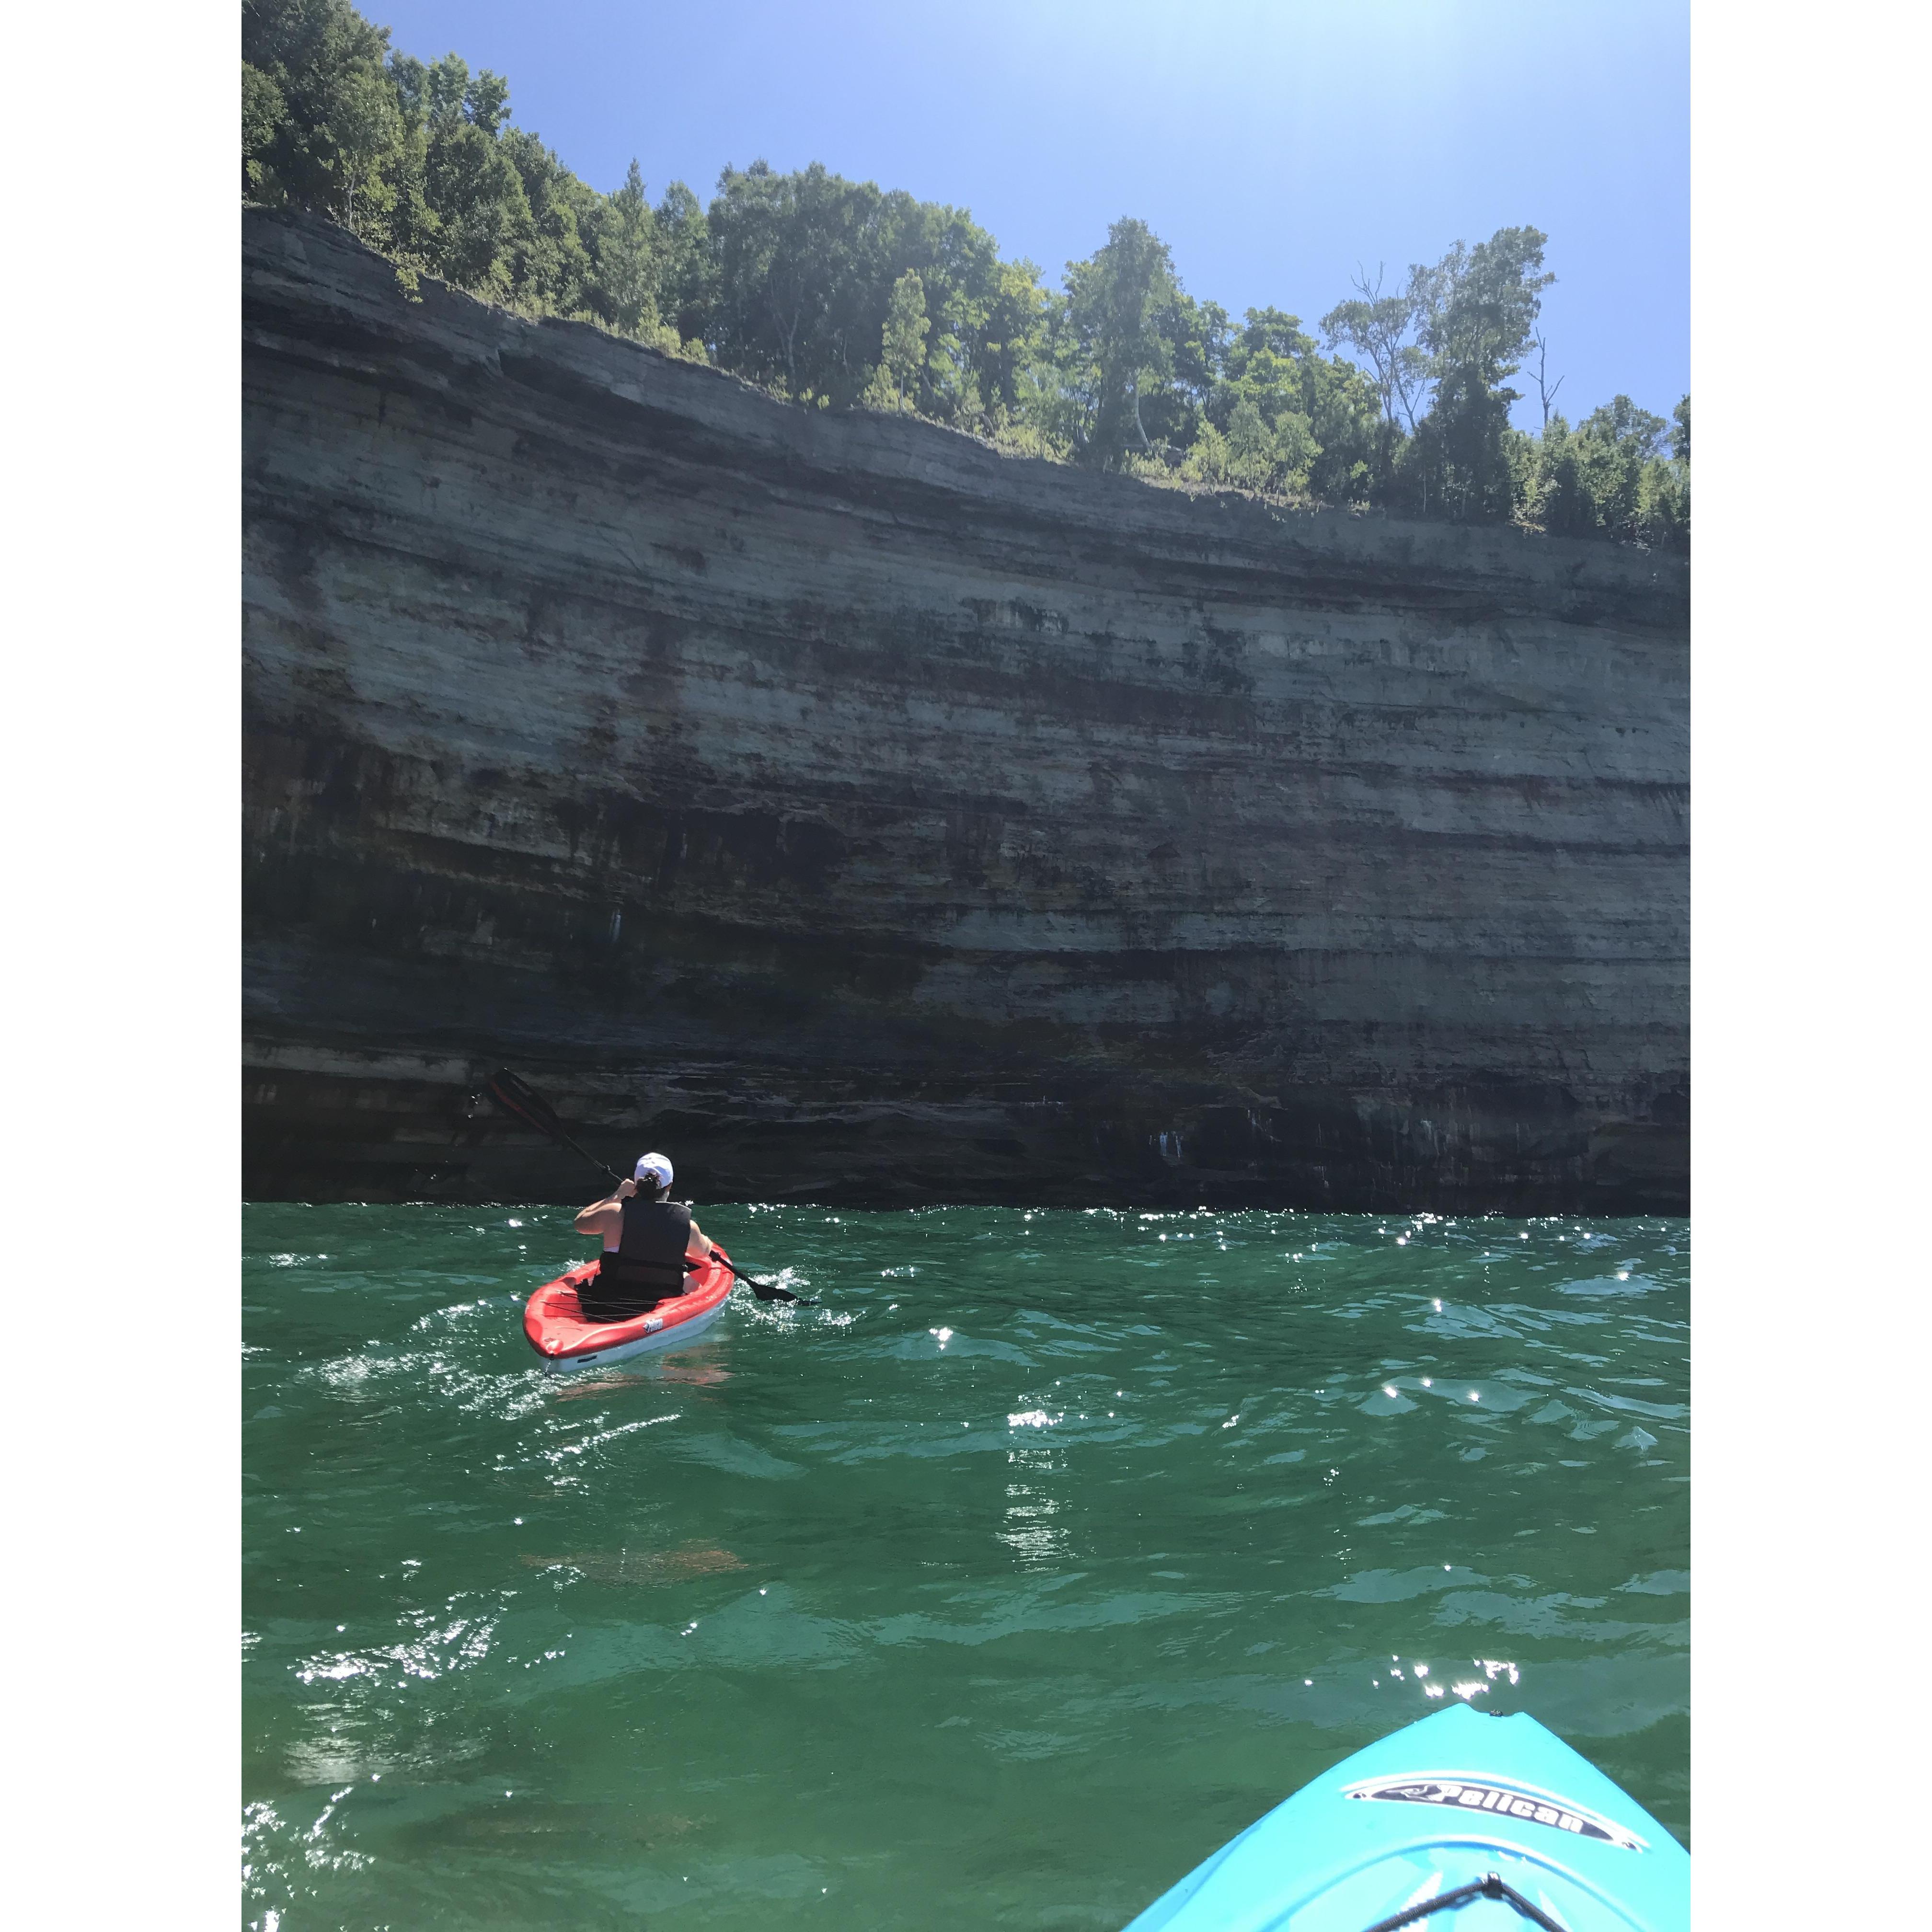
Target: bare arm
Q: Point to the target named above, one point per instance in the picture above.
(698, 1248)
(606, 1216)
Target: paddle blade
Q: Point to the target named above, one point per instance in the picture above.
(767, 1294)
(523, 1102)
(525, 1105)
(765, 1290)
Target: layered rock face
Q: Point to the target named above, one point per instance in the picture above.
(856, 814)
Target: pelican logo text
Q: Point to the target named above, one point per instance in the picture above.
(1499, 1800)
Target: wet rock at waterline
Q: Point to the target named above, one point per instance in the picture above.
(863, 815)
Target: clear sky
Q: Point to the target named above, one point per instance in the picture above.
(1272, 144)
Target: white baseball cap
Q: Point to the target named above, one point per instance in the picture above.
(654, 1167)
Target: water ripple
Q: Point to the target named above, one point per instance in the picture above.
(1051, 1548)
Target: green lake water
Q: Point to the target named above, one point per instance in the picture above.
(1047, 1553)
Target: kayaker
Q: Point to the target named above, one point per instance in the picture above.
(647, 1238)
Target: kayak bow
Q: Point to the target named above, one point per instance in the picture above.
(1463, 1822)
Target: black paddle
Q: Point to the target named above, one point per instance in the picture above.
(765, 1290)
(522, 1102)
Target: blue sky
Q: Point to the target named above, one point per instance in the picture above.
(1273, 146)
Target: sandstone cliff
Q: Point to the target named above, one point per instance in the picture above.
(860, 815)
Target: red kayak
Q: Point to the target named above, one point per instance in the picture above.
(554, 1325)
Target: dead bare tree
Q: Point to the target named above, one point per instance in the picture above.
(1545, 390)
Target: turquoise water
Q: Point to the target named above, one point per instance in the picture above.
(1047, 1554)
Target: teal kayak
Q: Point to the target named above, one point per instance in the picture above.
(1462, 1821)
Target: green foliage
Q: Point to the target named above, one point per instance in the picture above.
(550, 264)
(795, 255)
(687, 278)
(1378, 328)
(1475, 313)
(835, 294)
(1286, 420)
(1012, 353)
(620, 230)
(1462, 456)
(902, 346)
(800, 275)
(318, 121)
(481, 216)
(1127, 354)
(1356, 446)
(1477, 308)
(263, 113)
(1122, 313)
(1621, 472)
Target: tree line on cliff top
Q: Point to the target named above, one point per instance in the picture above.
(837, 295)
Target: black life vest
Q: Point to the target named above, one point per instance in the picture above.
(647, 1266)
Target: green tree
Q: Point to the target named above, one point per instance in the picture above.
(263, 111)
(464, 213)
(1476, 311)
(1667, 499)
(1620, 441)
(1378, 328)
(791, 252)
(1013, 338)
(1132, 353)
(1257, 434)
(1355, 444)
(368, 130)
(621, 234)
(802, 268)
(318, 118)
(687, 279)
(1477, 308)
(1293, 421)
(958, 263)
(481, 213)
(1117, 302)
(902, 345)
(486, 101)
(1618, 474)
(551, 269)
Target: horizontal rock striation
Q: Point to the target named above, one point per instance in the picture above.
(860, 815)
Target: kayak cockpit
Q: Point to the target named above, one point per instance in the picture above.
(556, 1328)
